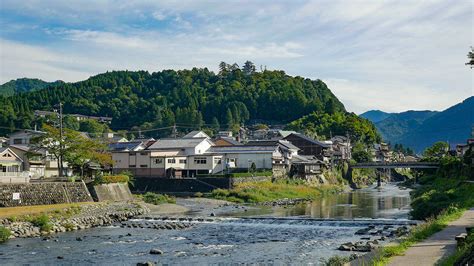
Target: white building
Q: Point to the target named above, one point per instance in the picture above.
(195, 155)
(11, 167)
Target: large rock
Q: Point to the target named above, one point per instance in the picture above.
(156, 251)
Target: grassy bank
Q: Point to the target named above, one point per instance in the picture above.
(255, 192)
(419, 233)
(462, 252)
(438, 200)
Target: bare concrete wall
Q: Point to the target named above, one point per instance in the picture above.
(111, 192)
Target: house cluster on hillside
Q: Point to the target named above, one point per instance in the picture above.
(196, 154)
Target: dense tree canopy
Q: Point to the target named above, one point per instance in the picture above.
(189, 98)
(323, 125)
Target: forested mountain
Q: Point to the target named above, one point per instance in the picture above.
(193, 98)
(420, 129)
(375, 115)
(25, 85)
(453, 125)
(396, 125)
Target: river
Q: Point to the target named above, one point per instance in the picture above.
(305, 233)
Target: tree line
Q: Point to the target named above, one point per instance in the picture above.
(193, 99)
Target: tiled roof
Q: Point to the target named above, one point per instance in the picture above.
(124, 146)
(242, 149)
(317, 142)
(176, 143)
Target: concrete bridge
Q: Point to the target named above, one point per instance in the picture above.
(393, 165)
(386, 166)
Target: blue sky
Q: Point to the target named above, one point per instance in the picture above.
(388, 55)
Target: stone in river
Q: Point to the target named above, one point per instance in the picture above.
(212, 214)
(78, 238)
(156, 251)
(60, 257)
(146, 263)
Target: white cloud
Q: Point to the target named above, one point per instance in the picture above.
(369, 52)
(159, 15)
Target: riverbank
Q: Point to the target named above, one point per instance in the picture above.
(72, 218)
(268, 192)
(439, 201)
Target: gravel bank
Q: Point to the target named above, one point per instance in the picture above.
(89, 216)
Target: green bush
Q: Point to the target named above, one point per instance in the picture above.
(157, 199)
(4, 234)
(42, 222)
(439, 193)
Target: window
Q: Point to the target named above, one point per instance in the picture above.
(217, 160)
(172, 160)
(143, 153)
(182, 161)
(17, 141)
(143, 165)
(132, 166)
(200, 160)
(158, 160)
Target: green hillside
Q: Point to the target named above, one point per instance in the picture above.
(196, 98)
(24, 85)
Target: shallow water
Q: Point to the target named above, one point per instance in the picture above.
(298, 239)
(386, 202)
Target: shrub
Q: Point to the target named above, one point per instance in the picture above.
(42, 222)
(157, 199)
(4, 234)
(198, 194)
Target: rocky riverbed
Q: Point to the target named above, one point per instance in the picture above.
(87, 217)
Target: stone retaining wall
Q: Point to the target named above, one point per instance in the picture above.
(111, 192)
(43, 193)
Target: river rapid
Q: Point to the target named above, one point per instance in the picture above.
(307, 233)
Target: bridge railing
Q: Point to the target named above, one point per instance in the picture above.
(396, 164)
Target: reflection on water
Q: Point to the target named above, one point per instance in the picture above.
(248, 241)
(386, 202)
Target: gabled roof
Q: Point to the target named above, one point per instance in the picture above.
(311, 140)
(176, 143)
(283, 143)
(196, 134)
(6, 149)
(285, 133)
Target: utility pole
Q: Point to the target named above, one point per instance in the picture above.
(174, 131)
(61, 143)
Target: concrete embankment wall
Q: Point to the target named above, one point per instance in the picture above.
(206, 184)
(111, 192)
(43, 193)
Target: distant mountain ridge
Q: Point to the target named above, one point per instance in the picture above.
(420, 129)
(375, 115)
(25, 85)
